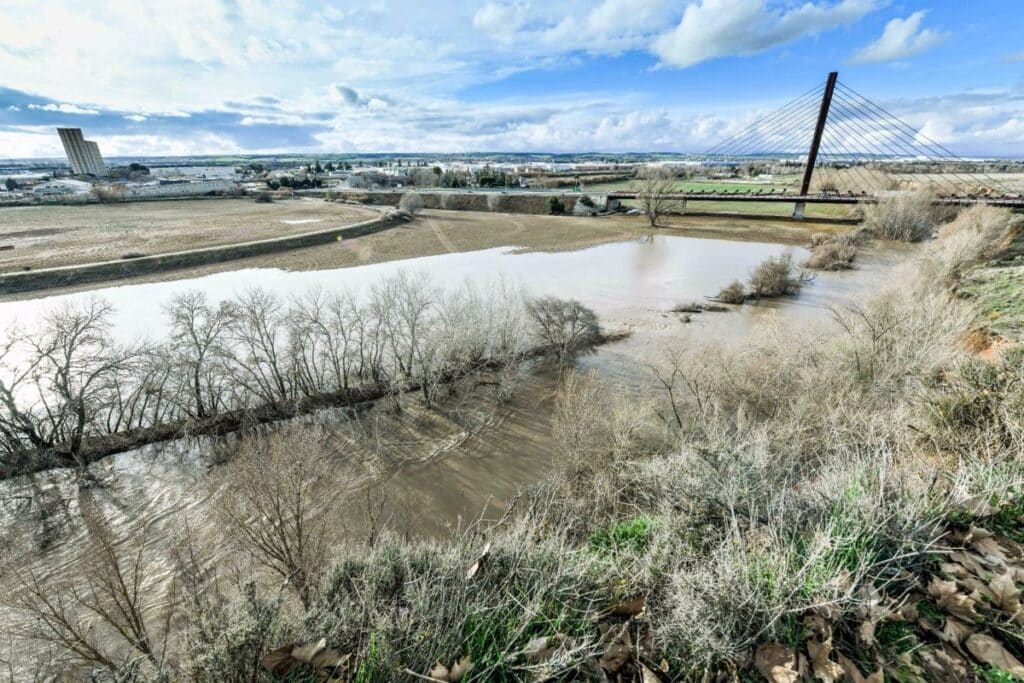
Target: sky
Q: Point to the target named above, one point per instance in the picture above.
(193, 77)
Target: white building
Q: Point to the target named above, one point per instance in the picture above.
(83, 155)
(62, 187)
(195, 189)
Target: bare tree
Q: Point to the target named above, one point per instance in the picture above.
(197, 337)
(563, 325)
(653, 186)
(276, 503)
(108, 614)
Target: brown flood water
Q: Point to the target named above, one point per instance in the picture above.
(443, 467)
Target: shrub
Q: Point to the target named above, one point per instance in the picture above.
(555, 206)
(833, 252)
(411, 203)
(563, 325)
(904, 216)
(775, 276)
(733, 293)
(263, 198)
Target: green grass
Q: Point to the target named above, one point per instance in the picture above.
(1000, 291)
(631, 535)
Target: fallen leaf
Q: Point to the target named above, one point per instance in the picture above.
(853, 674)
(439, 672)
(823, 667)
(777, 663)
(480, 562)
(306, 653)
(955, 632)
(460, 669)
(1006, 595)
(947, 598)
(942, 666)
(647, 676)
(988, 650)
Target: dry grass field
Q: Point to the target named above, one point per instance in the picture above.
(46, 236)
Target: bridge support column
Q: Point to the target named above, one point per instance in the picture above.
(798, 211)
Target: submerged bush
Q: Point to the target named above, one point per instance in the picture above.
(563, 325)
(775, 276)
(733, 293)
(833, 252)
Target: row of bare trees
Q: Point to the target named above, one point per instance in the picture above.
(70, 378)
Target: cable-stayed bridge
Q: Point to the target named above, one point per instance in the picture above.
(848, 150)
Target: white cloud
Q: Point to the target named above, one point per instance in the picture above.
(64, 109)
(719, 28)
(138, 118)
(902, 38)
(13, 108)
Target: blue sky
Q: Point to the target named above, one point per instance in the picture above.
(236, 76)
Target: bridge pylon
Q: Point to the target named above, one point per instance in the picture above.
(819, 129)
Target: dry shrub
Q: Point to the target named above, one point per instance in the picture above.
(733, 293)
(775, 276)
(860, 180)
(411, 203)
(833, 252)
(904, 216)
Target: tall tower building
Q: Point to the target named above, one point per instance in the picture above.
(83, 155)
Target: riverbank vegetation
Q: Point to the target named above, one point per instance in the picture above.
(72, 393)
(833, 501)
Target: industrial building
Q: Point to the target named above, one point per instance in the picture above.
(83, 155)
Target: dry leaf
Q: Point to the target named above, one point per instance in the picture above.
(942, 666)
(955, 632)
(439, 672)
(460, 669)
(947, 597)
(988, 650)
(824, 668)
(1006, 595)
(647, 676)
(480, 562)
(853, 674)
(777, 663)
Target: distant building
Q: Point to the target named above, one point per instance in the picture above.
(62, 187)
(83, 155)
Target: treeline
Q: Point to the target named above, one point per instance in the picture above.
(70, 382)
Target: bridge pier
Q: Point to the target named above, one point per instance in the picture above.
(798, 210)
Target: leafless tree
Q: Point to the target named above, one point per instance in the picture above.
(276, 502)
(197, 343)
(654, 185)
(563, 325)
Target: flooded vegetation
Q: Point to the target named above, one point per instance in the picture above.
(201, 471)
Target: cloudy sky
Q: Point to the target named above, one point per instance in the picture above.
(231, 76)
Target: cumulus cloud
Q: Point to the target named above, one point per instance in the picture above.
(64, 109)
(137, 118)
(902, 38)
(718, 28)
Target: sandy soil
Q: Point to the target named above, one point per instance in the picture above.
(436, 232)
(46, 236)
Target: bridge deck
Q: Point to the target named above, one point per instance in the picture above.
(1009, 201)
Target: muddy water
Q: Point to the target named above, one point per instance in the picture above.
(443, 467)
